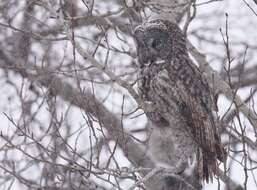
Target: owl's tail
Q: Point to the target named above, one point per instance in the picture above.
(207, 162)
(207, 166)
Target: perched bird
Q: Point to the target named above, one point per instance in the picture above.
(180, 95)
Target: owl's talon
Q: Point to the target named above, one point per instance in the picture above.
(180, 168)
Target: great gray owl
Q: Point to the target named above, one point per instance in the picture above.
(180, 96)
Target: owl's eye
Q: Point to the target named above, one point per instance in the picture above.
(155, 43)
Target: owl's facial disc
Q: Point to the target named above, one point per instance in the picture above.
(158, 43)
(153, 43)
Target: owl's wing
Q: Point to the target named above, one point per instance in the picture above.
(193, 99)
(203, 131)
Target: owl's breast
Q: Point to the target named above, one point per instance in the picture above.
(148, 88)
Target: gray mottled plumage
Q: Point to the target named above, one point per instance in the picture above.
(181, 97)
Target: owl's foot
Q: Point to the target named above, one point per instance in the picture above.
(181, 167)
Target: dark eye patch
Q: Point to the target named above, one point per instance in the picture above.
(156, 43)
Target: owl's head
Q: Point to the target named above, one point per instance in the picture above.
(156, 40)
